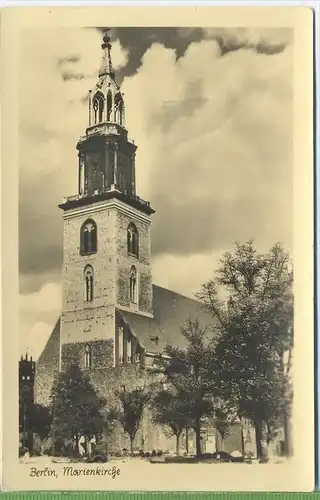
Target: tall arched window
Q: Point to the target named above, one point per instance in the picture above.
(109, 106)
(88, 238)
(129, 350)
(121, 117)
(98, 107)
(89, 283)
(118, 102)
(133, 240)
(121, 345)
(133, 285)
(87, 357)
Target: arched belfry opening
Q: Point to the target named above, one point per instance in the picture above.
(109, 106)
(98, 107)
(119, 109)
(106, 152)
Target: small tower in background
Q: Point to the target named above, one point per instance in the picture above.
(27, 370)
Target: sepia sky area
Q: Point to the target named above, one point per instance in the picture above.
(211, 113)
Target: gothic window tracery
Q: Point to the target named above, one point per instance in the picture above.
(119, 109)
(89, 283)
(88, 238)
(98, 107)
(133, 240)
(133, 285)
(87, 357)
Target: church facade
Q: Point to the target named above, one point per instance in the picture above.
(114, 321)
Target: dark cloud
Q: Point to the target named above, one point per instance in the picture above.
(67, 75)
(229, 45)
(181, 225)
(138, 40)
(69, 59)
(262, 41)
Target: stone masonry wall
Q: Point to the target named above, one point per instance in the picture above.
(47, 368)
(108, 382)
(101, 354)
(45, 377)
(81, 320)
(142, 263)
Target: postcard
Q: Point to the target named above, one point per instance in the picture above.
(157, 201)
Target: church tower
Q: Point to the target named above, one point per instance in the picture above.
(106, 249)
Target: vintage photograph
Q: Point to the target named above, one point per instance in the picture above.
(157, 252)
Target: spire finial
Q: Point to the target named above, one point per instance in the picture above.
(106, 65)
(106, 38)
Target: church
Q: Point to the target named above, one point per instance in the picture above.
(114, 321)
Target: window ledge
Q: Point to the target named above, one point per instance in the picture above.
(133, 255)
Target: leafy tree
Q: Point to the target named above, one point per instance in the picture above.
(40, 420)
(253, 323)
(110, 416)
(224, 419)
(133, 403)
(171, 410)
(76, 408)
(189, 372)
(33, 419)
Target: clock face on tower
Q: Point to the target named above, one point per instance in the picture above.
(94, 170)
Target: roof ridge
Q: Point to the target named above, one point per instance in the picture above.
(177, 293)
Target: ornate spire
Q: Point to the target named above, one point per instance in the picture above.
(106, 64)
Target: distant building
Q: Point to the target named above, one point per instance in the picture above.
(27, 369)
(114, 321)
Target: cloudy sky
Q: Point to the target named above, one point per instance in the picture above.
(211, 113)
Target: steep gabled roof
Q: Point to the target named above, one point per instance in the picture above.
(51, 351)
(170, 312)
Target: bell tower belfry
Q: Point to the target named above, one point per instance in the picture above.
(106, 249)
(106, 157)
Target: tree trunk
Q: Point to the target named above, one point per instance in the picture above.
(198, 436)
(87, 451)
(221, 443)
(261, 440)
(287, 436)
(242, 440)
(131, 444)
(187, 441)
(76, 446)
(264, 441)
(257, 428)
(178, 444)
(217, 441)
